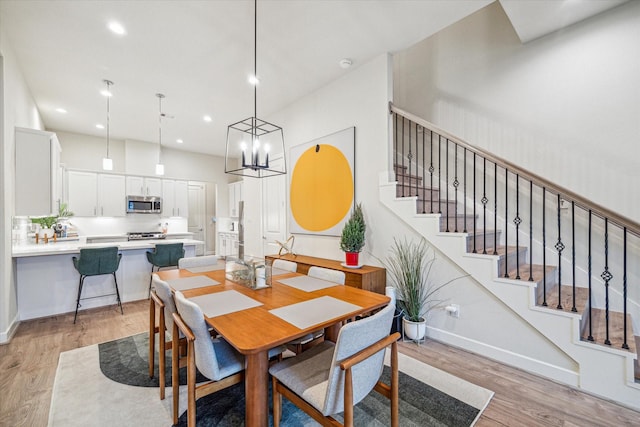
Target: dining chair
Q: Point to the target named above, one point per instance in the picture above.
(164, 255)
(300, 344)
(344, 373)
(96, 262)
(328, 274)
(215, 358)
(198, 261)
(162, 302)
(283, 264)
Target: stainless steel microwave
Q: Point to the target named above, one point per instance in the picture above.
(144, 204)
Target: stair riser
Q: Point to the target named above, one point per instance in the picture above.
(409, 179)
(421, 192)
(459, 221)
(511, 261)
(479, 239)
(552, 284)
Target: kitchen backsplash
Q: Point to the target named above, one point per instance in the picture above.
(112, 225)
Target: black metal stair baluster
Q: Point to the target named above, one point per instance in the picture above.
(446, 178)
(544, 248)
(624, 287)
(484, 205)
(573, 253)
(506, 225)
(395, 145)
(606, 276)
(559, 248)
(589, 270)
(431, 169)
(517, 222)
(402, 168)
(456, 183)
(531, 231)
(474, 203)
(415, 193)
(495, 210)
(464, 190)
(440, 176)
(409, 160)
(423, 189)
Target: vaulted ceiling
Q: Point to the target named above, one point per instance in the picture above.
(199, 54)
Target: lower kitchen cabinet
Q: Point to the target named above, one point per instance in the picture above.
(228, 244)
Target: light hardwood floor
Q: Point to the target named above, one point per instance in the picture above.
(28, 365)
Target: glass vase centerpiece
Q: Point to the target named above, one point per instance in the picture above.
(254, 273)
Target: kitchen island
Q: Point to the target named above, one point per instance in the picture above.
(47, 282)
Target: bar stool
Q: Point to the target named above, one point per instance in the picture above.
(96, 262)
(165, 255)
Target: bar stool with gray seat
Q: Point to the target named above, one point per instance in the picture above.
(96, 262)
(163, 256)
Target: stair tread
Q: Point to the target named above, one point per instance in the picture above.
(537, 272)
(582, 298)
(616, 326)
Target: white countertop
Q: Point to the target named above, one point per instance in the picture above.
(60, 248)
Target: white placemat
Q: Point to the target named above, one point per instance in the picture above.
(309, 313)
(205, 268)
(184, 283)
(307, 283)
(225, 302)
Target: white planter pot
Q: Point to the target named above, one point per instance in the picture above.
(48, 232)
(414, 330)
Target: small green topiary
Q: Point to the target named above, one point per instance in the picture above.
(352, 239)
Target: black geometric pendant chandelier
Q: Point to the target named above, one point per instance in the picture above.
(251, 141)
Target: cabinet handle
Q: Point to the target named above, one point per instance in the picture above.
(178, 211)
(142, 190)
(102, 211)
(94, 211)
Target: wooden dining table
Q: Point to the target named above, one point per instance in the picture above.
(254, 331)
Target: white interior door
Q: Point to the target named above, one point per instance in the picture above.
(196, 219)
(274, 211)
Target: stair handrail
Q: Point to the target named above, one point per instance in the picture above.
(622, 221)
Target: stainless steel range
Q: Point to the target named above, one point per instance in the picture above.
(145, 235)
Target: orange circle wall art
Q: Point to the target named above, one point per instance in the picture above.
(321, 188)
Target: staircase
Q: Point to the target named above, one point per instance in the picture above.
(457, 197)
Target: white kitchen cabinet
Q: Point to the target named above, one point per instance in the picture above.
(143, 186)
(111, 195)
(82, 193)
(175, 198)
(235, 197)
(227, 244)
(92, 194)
(38, 177)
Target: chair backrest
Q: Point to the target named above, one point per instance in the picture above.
(283, 264)
(206, 359)
(163, 290)
(334, 276)
(354, 337)
(198, 261)
(167, 255)
(95, 261)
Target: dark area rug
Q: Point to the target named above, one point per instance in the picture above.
(126, 361)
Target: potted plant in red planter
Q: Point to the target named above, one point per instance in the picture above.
(352, 238)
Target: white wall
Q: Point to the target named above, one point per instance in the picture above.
(360, 99)
(565, 106)
(18, 109)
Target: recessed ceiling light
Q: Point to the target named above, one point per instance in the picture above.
(179, 141)
(345, 63)
(117, 28)
(61, 110)
(100, 126)
(105, 92)
(207, 119)
(254, 80)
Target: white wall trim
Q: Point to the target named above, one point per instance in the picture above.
(5, 336)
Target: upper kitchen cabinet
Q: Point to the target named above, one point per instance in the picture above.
(235, 197)
(175, 198)
(141, 186)
(92, 194)
(38, 179)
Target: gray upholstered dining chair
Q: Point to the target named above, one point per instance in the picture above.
(283, 264)
(298, 345)
(198, 261)
(214, 357)
(162, 302)
(332, 378)
(328, 274)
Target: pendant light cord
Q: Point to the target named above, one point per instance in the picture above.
(160, 96)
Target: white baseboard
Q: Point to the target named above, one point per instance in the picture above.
(555, 373)
(6, 336)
